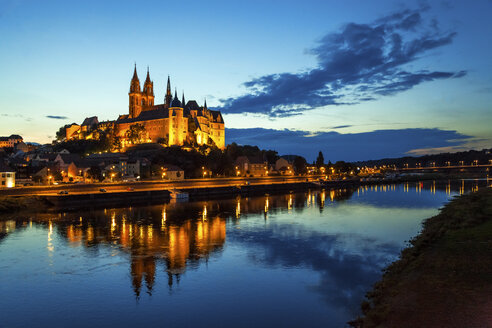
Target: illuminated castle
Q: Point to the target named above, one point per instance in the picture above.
(174, 122)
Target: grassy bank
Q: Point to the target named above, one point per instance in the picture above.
(10, 204)
(444, 278)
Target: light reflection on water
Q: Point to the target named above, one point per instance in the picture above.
(299, 259)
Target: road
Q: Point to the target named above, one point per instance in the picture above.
(148, 185)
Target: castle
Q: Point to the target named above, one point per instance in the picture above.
(175, 122)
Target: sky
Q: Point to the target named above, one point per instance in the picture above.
(357, 80)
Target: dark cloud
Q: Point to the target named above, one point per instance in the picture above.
(349, 147)
(358, 63)
(340, 127)
(56, 117)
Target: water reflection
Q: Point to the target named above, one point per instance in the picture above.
(328, 243)
(151, 237)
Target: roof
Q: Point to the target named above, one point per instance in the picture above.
(147, 115)
(217, 116)
(192, 105)
(69, 158)
(90, 121)
(176, 102)
(15, 136)
(48, 156)
(5, 168)
(250, 160)
(170, 167)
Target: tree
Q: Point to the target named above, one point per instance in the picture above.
(95, 173)
(320, 161)
(163, 140)
(136, 133)
(299, 165)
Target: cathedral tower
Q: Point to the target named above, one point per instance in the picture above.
(148, 92)
(135, 95)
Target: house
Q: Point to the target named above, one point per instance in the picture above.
(22, 147)
(45, 174)
(7, 176)
(250, 166)
(172, 172)
(133, 168)
(284, 166)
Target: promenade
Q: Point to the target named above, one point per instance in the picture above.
(90, 188)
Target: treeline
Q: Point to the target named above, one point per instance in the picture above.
(195, 160)
(471, 157)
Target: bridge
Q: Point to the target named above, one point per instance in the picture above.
(447, 168)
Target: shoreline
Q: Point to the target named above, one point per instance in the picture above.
(72, 201)
(444, 277)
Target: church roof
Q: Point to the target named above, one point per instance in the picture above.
(192, 105)
(148, 115)
(217, 116)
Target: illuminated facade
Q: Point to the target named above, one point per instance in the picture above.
(10, 142)
(175, 122)
(7, 176)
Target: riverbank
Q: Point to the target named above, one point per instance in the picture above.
(444, 278)
(9, 204)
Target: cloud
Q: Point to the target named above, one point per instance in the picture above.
(351, 146)
(360, 62)
(56, 117)
(340, 127)
(26, 118)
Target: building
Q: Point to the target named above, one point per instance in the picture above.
(7, 176)
(249, 166)
(175, 122)
(172, 172)
(284, 166)
(10, 142)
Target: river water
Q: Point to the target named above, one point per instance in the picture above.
(292, 260)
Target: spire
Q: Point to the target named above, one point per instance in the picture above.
(176, 93)
(168, 97)
(168, 91)
(135, 76)
(148, 75)
(183, 100)
(205, 106)
(135, 83)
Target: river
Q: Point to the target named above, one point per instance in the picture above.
(291, 260)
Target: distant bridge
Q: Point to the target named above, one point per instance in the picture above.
(468, 168)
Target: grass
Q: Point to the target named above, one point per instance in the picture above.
(444, 279)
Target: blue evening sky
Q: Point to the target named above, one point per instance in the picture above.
(375, 78)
